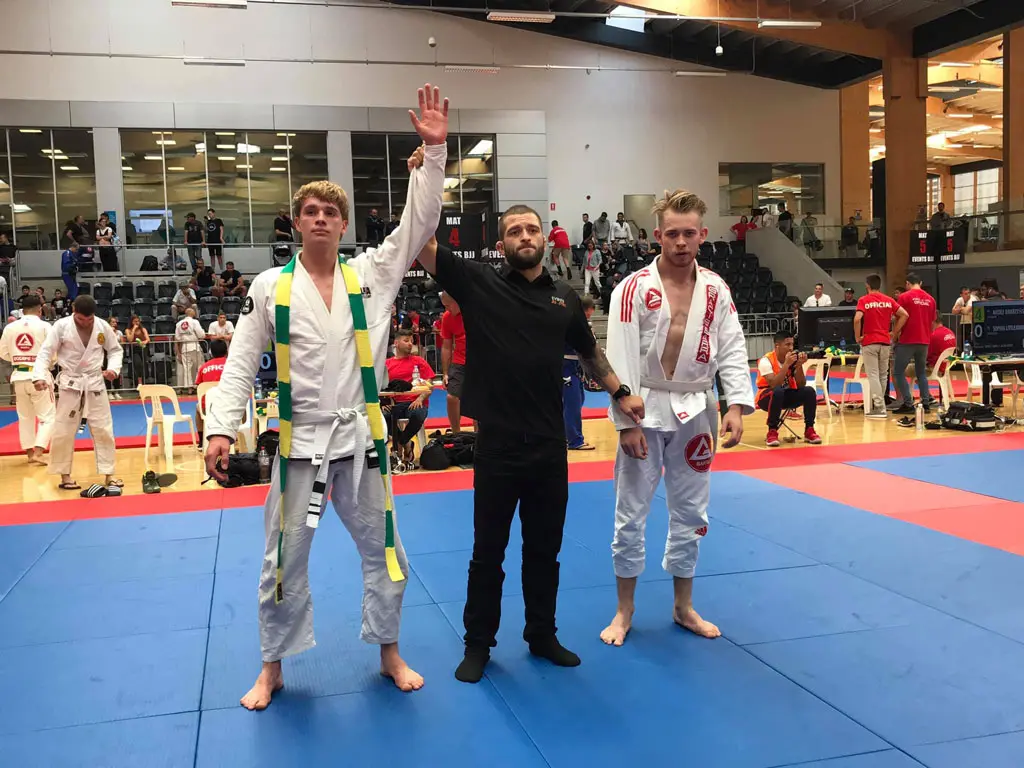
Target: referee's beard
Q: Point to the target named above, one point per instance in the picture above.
(520, 260)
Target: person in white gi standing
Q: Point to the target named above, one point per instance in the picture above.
(19, 346)
(330, 438)
(671, 328)
(78, 343)
(187, 335)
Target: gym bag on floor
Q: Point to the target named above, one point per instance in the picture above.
(448, 450)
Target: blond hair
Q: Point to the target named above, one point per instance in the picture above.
(680, 201)
(327, 191)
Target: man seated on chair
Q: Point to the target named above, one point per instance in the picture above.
(210, 371)
(410, 406)
(942, 339)
(781, 385)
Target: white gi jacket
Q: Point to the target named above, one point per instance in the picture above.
(325, 374)
(20, 345)
(188, 332)
(81, 368)
(713, 343)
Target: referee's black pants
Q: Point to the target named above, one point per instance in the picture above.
(533, 472)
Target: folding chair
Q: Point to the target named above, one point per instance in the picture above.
(163, 423)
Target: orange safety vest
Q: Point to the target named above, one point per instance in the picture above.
(762, 382)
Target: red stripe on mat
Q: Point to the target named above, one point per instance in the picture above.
(982, 519)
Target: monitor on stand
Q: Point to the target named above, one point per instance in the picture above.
(822, 327)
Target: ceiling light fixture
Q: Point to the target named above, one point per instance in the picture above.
(153, 157)
(20, 208)
(282, 146)
(998, 117)
(226, 146)
(944, 89)
(235, 4)
(175, 168)
(126, 167)
(787, 24)
(226, 158)
(875, 130)
(279, 159)
(521, 18)
(278, 168)
(960, 115)
(69, 167)
(697, 73)
(166, 142)
(956, 64)
(243, 167)
(197, 61)
(224, 133)
(29, 130)
(481, 148)
(480, 70)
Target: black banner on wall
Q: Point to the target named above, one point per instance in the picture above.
(468, 235)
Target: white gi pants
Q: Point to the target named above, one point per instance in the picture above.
(286, 628)
(685, 454)
(188, 367)
(72, 407)
(33, 404)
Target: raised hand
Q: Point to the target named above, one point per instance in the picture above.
(432, 123)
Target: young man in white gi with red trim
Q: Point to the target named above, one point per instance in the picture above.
(671, 328)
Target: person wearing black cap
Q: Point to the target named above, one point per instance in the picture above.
(518, 320)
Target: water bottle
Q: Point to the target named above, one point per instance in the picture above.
(968, 352)
(919, 416)
(821, 343)
(842, 343)
(259, 388)
(416, 380)
(263, 459)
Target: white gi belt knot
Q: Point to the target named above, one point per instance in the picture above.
(333, 420)
(680, 387)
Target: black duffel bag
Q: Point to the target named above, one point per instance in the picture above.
(448, 450)
(244, 468)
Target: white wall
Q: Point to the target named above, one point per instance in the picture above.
(646, 130)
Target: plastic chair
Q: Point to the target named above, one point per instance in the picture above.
(940, 375)
(819, 383)
(164, 423)
(245, 440)
(859, 380)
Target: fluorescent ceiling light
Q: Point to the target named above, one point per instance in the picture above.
(238, 4)
(960, 115)
(60, 157)
(69, 167)
(998, 117)
(282, 169)
(224, 133)
(957, 64)
(522, 18)
(481, 70)
(875, 130)
(20, 208)
(126, 167)
(697, 73)
(280, 146)
(944, 89)
(153, 157)
(788, 24)
(952, 146)
(161, 133)
(166, 142)
(49, 151)
(203, 62)
(200, 147)
(451, 183)
(226, 146)
(29, 130)
(286, 135)
(175, 168)
(481, 148)
(279, 159)
(243, 167)
(226, 158)
(247, 149)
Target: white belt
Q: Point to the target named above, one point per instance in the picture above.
(334, 420)
(571, 357)
(679, 387)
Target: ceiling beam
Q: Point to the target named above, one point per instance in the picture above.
(989, 74)
(983, 153)
(833, 35)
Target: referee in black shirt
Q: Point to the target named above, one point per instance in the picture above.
(518, 320)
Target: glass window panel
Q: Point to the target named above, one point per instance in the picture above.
(963, 192)
(6, 220)
(369, 180)
(76, 175)
(743, 186)
(229, 183)
(268, 179)
(400, 146)
(477, 166)
(35, 220)
(142, 176)
(185, 161)
(308, 153)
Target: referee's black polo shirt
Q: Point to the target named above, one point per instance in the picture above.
(516, 332)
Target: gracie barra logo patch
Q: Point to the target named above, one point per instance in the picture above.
(248, 305)
(704, 347)
(652, 299)
(24, 342)
(698, 452)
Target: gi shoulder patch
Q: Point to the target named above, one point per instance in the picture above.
(248, 305)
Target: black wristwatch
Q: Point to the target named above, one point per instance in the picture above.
(621, 392)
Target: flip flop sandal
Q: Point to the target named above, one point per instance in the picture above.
(72, 486)
(113, 490)
(94, 491)
(166, 479)
(584, 447)
(117, 482)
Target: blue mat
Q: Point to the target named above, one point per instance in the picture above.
(156, 742)
(1001, 751)
(137, 530)
(668, 690)
(937, 680)
(20, 547)
(989, 474)
(8, 417)
(890, 758)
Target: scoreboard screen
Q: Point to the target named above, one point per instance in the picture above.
(938, 246)
(998, 327)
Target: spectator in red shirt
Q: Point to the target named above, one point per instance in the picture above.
(411, 406)
(561, 251)
(912, 344)
(742, 228)
(453, 358)
(871, 327)
(942, 339)
(211, 370)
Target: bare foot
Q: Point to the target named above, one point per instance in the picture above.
(267, 684)
(403, 676)
(35, 456)
(615, 633)
(691, 620)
